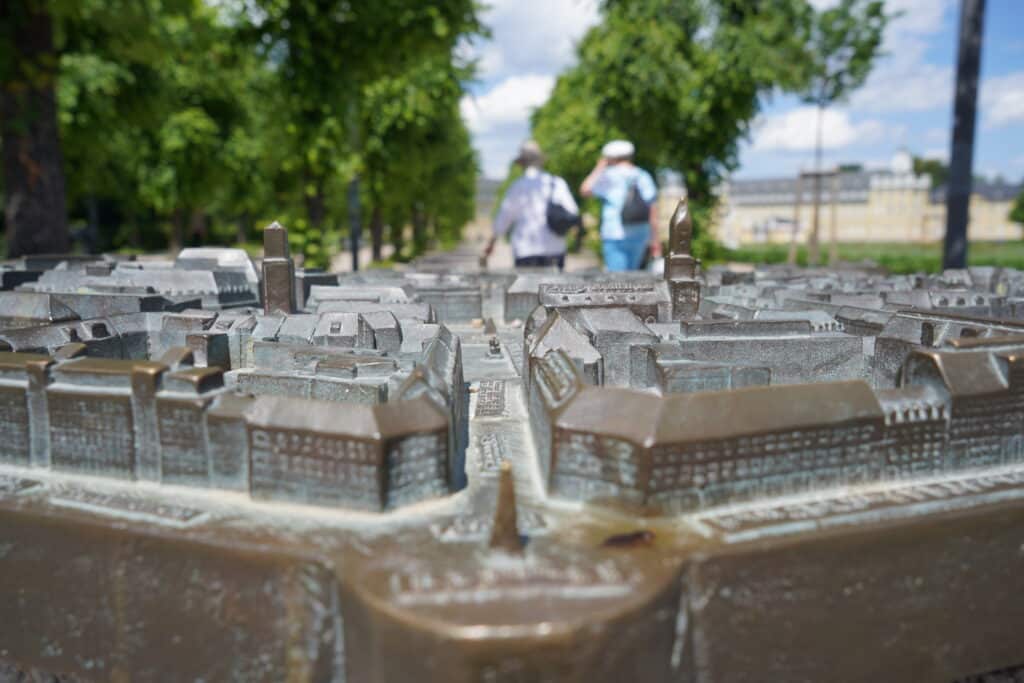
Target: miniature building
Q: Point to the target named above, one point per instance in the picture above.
(21, 400)
(140, 420)
(754, 447)
(278, 272)
(692, 450)
(363, 458)
(102, 417)
(680, 266)
(180, 407)
(879, 205)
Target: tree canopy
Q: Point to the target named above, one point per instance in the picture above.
(843, 43)
(685, 79)
(179, 121)
(1017, 210)
(682, 79)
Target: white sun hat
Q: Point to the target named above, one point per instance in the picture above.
(618, 149)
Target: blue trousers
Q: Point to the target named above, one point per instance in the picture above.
(627, 253)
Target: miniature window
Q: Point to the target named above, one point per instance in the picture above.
(72, 334)
(928, 331)
(99, 331)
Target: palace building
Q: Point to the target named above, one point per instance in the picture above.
(880, 205)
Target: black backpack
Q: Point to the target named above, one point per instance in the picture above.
(635, 209)
(560, 219)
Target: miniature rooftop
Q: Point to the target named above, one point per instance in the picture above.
(479, 475)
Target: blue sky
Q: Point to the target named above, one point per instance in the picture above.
(906, 102)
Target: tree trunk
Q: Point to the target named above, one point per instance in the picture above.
(797, 198)
(377, 233)
(355, 222)
(91, 235)
(35, 206)
(316, 209)
(833, 246)
(813, 255)
(243, 227)
(197, 236)
(397, 237)
(178, 220)
(961, 157)
(135, 233)
(419, 229)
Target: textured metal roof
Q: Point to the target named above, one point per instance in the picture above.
(998, 191)
(649, 420)
(853, 188)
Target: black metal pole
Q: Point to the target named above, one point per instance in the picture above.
(958, 192)
(355, 226)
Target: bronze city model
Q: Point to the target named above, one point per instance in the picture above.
(215, 471)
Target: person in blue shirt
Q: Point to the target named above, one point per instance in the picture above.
(623, 245)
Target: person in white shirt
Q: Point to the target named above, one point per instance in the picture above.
(524, 212)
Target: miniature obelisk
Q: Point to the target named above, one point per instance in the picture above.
(505, 532)
(680, 266)
(278, 272)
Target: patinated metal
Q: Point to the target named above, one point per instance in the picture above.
(212, 469)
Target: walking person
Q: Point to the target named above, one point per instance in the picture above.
(539, 209)
(628, 207)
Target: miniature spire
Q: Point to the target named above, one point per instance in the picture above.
(680, 229)
(278, 271)
(505, 532)
(680, 266)
(275, 242)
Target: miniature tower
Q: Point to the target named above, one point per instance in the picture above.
(505, 532)
(680, 266)
(278, 272)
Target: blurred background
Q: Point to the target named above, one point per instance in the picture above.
(810, 131)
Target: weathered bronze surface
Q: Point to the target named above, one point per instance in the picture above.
(447, 475)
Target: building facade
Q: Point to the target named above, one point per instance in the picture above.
(955, 411)
(888, 205)
(144, 420)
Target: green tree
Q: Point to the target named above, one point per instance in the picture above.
(33, 176)
(1017, 211)
(936, 169)
(325, 52)
(184, 118)
(164, 126)
(410, 128)
(843, 43)
(682, 79)
(35, 35)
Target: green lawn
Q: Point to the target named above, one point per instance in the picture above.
(896, 257)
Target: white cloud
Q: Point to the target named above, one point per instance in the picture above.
(532, 41)
(1002, 99)
(795, 130)
(939, 153)
(511, 101)
(532, 36)
(903, 79)
(916, 16)
(922, 17)
(500, 118)
(936, 135)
